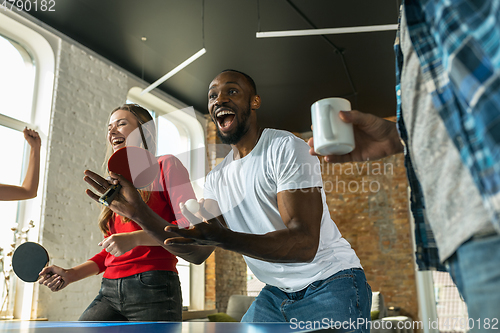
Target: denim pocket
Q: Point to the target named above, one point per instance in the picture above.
(154, 279)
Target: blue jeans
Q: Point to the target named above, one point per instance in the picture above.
(148, 296)
(342, 298)
(475, 269)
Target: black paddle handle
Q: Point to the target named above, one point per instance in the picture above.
(108, 197)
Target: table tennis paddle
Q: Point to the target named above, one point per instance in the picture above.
(135, 164)
(28, 260)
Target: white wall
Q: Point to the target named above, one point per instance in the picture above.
(86, 90)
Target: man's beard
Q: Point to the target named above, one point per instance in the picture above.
(240, 131)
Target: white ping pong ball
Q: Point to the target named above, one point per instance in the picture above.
(193, 206)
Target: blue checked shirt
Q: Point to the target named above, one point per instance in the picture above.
(458, 45)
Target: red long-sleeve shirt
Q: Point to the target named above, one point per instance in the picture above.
(169, 189)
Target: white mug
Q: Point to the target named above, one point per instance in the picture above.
(331, 135)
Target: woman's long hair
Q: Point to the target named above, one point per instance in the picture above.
(147, 129)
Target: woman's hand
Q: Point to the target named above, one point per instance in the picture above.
(32, 138)
(118, 244)
(54, 277)
(57, 278)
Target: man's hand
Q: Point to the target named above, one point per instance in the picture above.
(374, 138)
(127, 203)
(206, 229)
(300, 211)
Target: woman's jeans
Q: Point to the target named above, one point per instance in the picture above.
(341, 301)
(148, 296)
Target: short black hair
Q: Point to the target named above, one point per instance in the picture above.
(249, 79)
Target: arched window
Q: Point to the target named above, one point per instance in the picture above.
(17, 80)
(26, 84)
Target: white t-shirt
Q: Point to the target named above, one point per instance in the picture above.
(247, 190)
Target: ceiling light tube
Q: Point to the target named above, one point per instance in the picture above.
(174, 71)
(331, 31)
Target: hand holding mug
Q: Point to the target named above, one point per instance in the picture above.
(331, 135)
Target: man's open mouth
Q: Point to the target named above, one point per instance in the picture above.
(225, 118)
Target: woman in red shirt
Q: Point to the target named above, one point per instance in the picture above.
(140, 281)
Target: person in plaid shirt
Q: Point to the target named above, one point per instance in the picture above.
(448, 94)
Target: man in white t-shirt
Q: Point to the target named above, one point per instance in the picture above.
(270, 205)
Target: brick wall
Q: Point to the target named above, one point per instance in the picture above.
(231, 273)
(76, 142)
(210, 281)
(368, 202)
